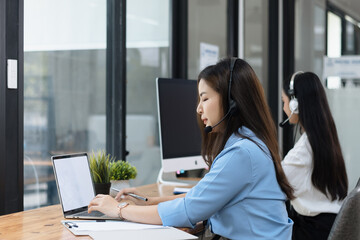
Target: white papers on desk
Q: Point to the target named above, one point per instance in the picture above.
(169, 233)
(125, 230)
(84, 227)
(111, 225)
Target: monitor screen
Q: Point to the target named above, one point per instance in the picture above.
(180, 139)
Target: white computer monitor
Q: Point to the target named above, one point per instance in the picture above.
(180, 139)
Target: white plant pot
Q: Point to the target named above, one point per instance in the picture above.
(118, 184)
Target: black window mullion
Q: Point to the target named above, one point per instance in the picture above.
(116, 79)
(179, 38)
(344, 38)
(11, 109)
(288, 62)
(273, 58)
(357, 40)
(232, 28)
(2, 106)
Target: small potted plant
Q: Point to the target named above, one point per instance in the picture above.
(120, 174)
(100, 166)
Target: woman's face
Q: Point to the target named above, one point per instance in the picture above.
(295, 117)
(209, 107)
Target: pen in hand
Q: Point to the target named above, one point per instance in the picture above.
(132, 195)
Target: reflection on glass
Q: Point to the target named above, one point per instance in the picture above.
(343, 103)
(64, 87)
(344, 96)
(350, 38)
(203, 27)
(309, 36)
(334, 35)
(333, 45)
(256, 37)
(147, 59)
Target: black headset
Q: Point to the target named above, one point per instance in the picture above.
(232, 103)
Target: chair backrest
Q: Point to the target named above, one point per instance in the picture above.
(347, 222)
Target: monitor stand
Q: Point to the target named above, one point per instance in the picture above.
(171, 179)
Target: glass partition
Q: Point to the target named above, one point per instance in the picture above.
(147, 49)
(64, 87)
(333, 45)
(256, 38)
(344, 93)
(309, 36)
(206, 33)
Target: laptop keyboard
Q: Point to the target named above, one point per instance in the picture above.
(92, 214)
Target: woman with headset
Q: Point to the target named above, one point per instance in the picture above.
(315, 165)
(243, 194)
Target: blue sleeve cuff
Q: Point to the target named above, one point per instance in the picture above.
(173, 213)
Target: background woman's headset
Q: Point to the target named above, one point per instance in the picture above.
(293, 104)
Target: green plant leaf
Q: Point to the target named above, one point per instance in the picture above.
(121, 170)
(100, 166)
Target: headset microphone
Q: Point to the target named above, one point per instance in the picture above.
(208, 129)
(282, 124)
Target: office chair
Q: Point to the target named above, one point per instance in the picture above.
(347, 222)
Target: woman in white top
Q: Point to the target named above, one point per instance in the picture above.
(315, 165)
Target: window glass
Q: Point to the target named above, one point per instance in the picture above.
(64, 87)
(206, 34)
(310, 39)
(147, 48)
(333, 45)
(256, 38)
(350, 38)
(309, 35)
(344, 94)
(334, 35)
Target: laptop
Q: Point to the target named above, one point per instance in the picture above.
(75, 186)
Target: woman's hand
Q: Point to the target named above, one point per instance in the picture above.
(122, 195)
(105, 204)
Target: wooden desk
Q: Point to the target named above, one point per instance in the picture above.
(44, 223)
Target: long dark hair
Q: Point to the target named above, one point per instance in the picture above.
(252, 112)
(329, 172)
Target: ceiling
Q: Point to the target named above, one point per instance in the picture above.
(351, 7)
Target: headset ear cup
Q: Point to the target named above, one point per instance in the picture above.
(293, 105)
(232, 107)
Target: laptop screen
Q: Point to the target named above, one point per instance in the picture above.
(74, 181)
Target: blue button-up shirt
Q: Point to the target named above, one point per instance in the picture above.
(240, 195)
